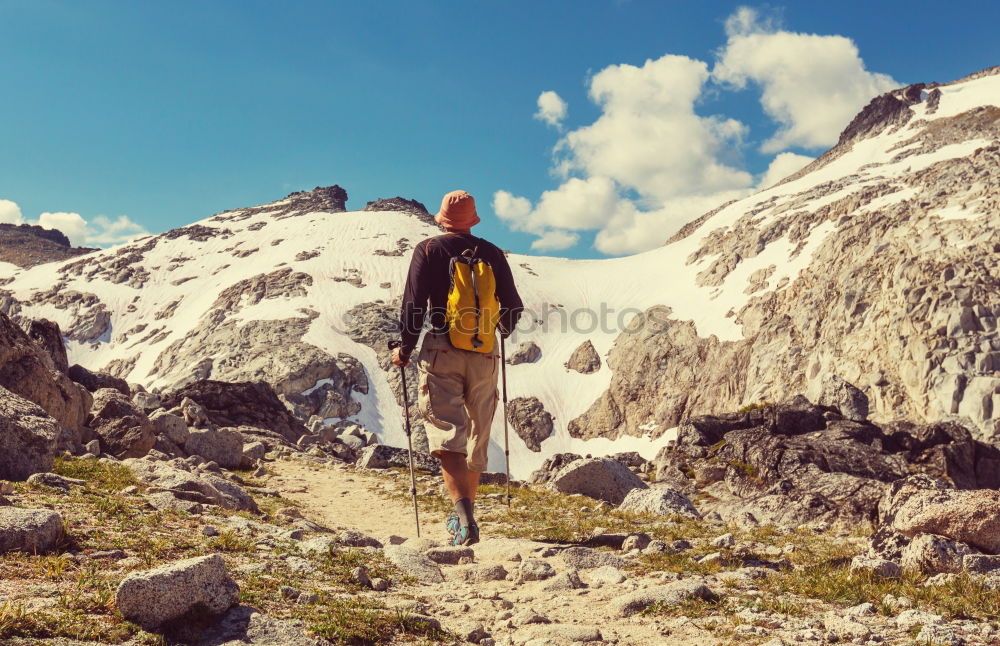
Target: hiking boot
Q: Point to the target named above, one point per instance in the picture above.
(468, 535)
(453, 525)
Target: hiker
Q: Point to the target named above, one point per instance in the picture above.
(465, 284)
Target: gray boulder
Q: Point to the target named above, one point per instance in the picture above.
(147, 401)
(224, 446)
(530, 420)
(932, 554)
(527, 352)
(172, 592)
(253, 452)
(660, 500)
(123, 429)
(206, 488)
(599, 478)
(845, 397)
(671, 594)
(584, 359)
(48, 337)
(971, 517)
(173, 427)
(29, 530)
(94, 381)
(28, 437)
(414, 563)
(585, 558)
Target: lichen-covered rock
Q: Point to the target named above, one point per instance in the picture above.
(48, 337)
(172, 427)
(28, 437)
(172, 592)
(530, 420)
(123, 430)
(203, 487)
(29, 530)
(584, 359)
(598, 478)
(552, 465)
(414, 563)
(659, 500)
(383, 456)
(932, 554)
(223, 446)
(971, 517)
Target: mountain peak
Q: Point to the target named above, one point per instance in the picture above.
(401, 204)
(26, 245)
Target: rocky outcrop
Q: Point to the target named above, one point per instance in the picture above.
(124, 431)
(94, 381)
(527, 352)
(401, 204)
(24, 371)
(531, 422)
(48, 337)
(795, 462)
(381, 456)
(223, 446)
(552, 465)
(584, 359)
(26, 245)
(970, 517)
(240, 404)
(170, 593)
(185, 480)
(28, 437)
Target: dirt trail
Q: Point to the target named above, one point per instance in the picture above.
(342, 498)
(350, 499)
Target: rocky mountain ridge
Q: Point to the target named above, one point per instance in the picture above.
(877, 264)
(26, 245)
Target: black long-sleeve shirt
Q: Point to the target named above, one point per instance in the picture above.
(428, 282)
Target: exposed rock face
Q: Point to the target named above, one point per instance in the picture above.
(530, 420)
(47, 336)
(123, 430)
(932, 554)
(26, 245)
(552, 466)
(916, 331)
(598, 478)
(28, 437)
(94, 381)
(240, 404)
(527, 352)
(401, 204)
(584, 359)
(24, 370)
(171, 592)
(794, 463)
(381, 456)
(29, 530)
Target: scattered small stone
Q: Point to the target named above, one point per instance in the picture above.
(449, 555)
(636, 542)
(288, 592)
(535, 570)
(307, 598)
(606, 575)
(379, 584)
(939, 636)
(360, 576)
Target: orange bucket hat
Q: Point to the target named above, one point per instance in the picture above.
(458, 211)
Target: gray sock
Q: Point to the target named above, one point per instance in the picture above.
(464, 509)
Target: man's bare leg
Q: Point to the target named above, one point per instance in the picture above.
(458, 479)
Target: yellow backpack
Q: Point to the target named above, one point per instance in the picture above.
(473, 309)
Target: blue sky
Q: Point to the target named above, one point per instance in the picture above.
(150, 115)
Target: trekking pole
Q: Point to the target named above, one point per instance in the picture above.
(409, 438)
(506, 433)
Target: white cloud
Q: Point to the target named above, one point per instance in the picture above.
(651, 162)
(101, 231)
(104, 231)
(10, 213)
(555, 240)
(812, 85)
(71, 224)
(783, 165)
(551, 109)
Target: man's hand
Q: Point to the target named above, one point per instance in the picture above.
(398, 359)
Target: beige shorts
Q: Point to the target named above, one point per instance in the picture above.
(457, 398)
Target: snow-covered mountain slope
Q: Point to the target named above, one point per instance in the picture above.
(878, 262)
